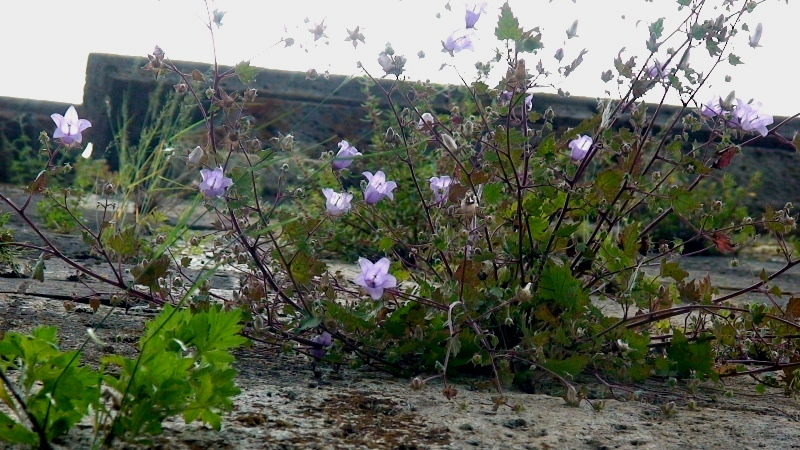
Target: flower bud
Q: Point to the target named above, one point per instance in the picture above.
(250, 94)
(417, 383)
(258, 322)
(468, 128)
(108, 189)
(181, 88)
(449, 142)
(210, 93)
(196, 157)
(160, 239)
(572, 397)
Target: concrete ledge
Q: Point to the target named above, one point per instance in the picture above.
(323, 111)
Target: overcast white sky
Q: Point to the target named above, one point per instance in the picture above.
(46, 43)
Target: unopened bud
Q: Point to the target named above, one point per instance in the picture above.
(417, 383)
(181, 88)
(160, 239)
(468, 128)
(523, 294)
(210, 93)
(108, 189)
(250, 94)
(196, 156)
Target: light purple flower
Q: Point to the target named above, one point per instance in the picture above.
(457, 41)
(580, 147)
(474, 12)
(69, 127)
(712, 108)
(345, 155)
(506, 96)
(378, 187)
(374, 278)
(214, 182)
(657, 70)
(747, 117)
(325, 340)
(337, 203)
(441, 188)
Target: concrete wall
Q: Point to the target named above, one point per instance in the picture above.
(323, 111)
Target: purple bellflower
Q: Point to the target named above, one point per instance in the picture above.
(325, 340)
(69, 126)
(457, 41)
(374, 278)
(506, 96)
(378, 187)
(345, 155)
(657, 70)
(474, 12)
(214, 183)
(580, 147)
(441, 188)
(712, 108)
(747, 117)
(337, 203)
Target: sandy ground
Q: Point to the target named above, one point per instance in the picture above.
(289, 403)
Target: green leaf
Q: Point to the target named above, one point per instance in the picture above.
(246, 73)
(656, 28)
(683, 201)
(529, 42)
(304, 268)
(608, 183)
(672, 269)
(571, 366)
(688, 357)
(148, 274)
(13, 432)
(559, 285)
(507, 25)
(124, 243)
(309, 322)
(492, 193)
(734, 60)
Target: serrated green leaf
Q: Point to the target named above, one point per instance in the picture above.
(559, 285)
(734, 60)
(530, 42)
(246, 73)
(691, 357)
(492, 193)
(608, 183)
(672, 269)
(683, 201)
(571, 366)
(507, 25)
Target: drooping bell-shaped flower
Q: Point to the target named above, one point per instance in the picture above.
(580, 147)
(345, 155)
